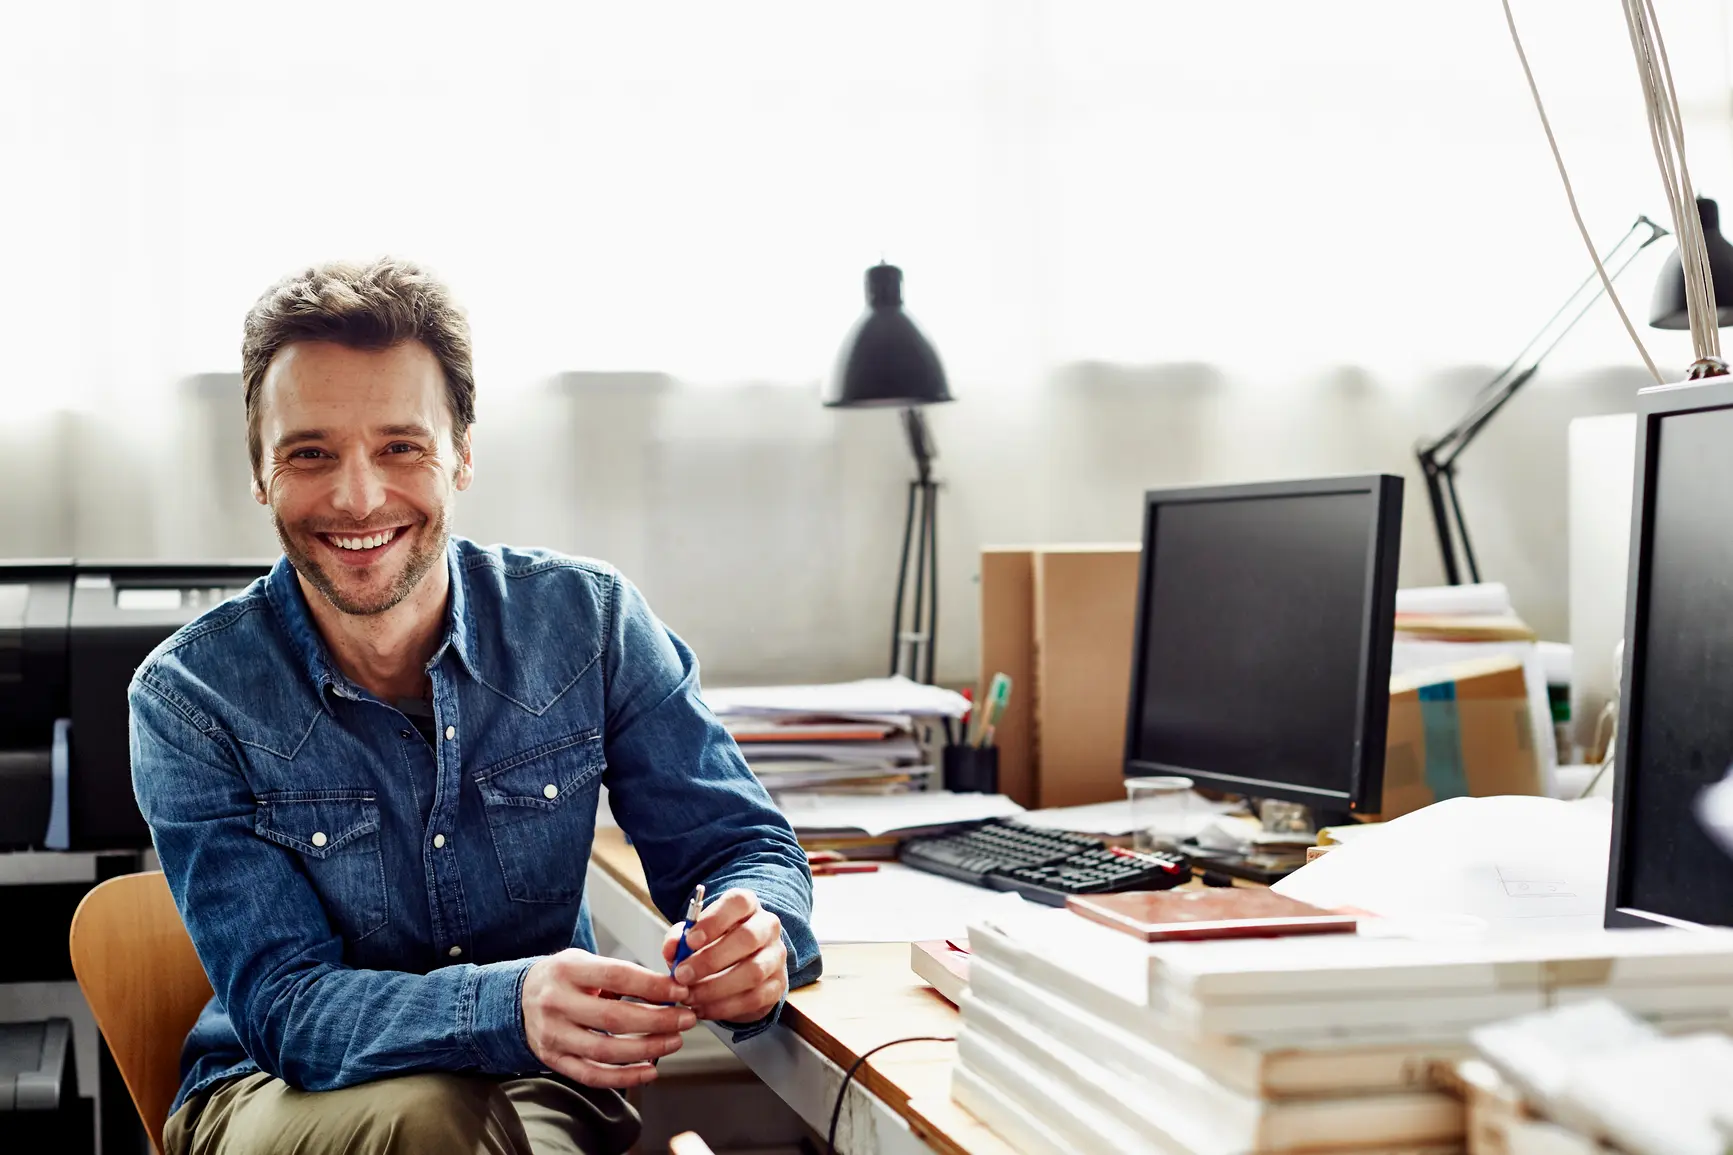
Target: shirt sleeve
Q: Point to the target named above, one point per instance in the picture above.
(268, 947)
(679, 787)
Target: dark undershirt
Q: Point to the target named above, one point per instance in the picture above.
(419, 711)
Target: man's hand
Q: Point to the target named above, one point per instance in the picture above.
(738, 969)
(576, 1023)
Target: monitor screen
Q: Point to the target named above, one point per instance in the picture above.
(1266, 614)
(1678, 717)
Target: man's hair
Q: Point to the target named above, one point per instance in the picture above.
(371, 306)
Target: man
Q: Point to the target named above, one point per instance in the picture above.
(372, 779)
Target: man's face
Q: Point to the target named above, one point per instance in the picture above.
(359, 469)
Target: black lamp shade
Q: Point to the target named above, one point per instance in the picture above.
(1668, 311)
(885, 359)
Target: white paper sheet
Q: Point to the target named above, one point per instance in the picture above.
(894, 904)
(880, 815)
(1505, 865)
(871, 697)
(1487, 599)
(1114, 818)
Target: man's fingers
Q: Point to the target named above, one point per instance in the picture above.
(593, 1074)
(727, 912)
(618, 1017)
(614, 1050)
(746, 1008)
(619, 977)
(764, 969)
(743, 941)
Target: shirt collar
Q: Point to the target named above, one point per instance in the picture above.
(283, 588)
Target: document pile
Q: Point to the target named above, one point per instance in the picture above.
(1078, 1038)
(1591, 1078)
(857, 737)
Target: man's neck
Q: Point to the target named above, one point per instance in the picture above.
(386, 653)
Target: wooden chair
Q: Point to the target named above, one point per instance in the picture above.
(144, 984)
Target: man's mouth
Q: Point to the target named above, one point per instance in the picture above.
(363, 546)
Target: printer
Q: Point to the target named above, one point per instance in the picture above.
(71, 635)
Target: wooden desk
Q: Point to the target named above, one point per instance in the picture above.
(900, 1101)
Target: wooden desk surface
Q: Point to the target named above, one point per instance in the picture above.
(868, 996)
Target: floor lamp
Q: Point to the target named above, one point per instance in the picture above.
(887, 361)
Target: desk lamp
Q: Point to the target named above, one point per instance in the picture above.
(887, 361)
(1438, 456)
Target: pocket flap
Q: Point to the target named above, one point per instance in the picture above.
(318, 823)
(544, 775)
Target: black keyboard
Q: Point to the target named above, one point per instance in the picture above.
(1046, 866)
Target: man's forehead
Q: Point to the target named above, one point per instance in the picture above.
(320, 383)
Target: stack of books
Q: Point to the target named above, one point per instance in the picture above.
(853, 737)
(1079, 1038)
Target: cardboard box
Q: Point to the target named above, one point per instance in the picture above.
(1008, 647)
(1059, 620)
(1085, 619)
(1459, 729)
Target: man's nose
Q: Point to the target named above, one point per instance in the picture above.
(359, 488)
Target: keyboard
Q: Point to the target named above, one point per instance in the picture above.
(1046, 866)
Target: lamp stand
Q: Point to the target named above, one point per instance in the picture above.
(1438, 457)
(915, 629)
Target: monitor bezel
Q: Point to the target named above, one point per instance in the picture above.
(1654, 405)
(1378, 631)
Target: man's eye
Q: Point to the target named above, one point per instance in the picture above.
(403, 447)
(307, 454)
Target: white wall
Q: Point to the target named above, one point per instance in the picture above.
(764, 528)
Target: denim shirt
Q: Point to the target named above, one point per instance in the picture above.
(367, 905)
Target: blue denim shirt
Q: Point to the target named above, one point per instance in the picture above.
(297, 816)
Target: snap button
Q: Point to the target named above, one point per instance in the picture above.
(450, 733)
(455, 951)
(404, 734)
(438, 841)
(550, 791)
(319, 838)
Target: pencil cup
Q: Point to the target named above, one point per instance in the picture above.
(971, 769)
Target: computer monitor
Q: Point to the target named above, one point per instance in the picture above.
(1676, 712)
(1264, 624)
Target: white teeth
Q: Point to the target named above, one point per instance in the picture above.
(368, 542)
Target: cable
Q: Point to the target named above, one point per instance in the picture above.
(1571, 196)
(848, 1077)
(1667, 136)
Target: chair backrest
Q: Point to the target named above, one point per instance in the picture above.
(144, 984)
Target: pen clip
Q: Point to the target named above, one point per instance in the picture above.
(696, 906)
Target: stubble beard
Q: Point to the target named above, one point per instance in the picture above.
(429, 550)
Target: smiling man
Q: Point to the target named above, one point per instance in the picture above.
(372, 781)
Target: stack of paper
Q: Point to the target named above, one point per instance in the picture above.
(853, 736)
(867, 826)
(1596, 1072)
(1076, 1037)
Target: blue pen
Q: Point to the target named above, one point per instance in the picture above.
(693, 910)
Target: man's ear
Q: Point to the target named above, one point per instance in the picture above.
(259, 494)
(466, 461)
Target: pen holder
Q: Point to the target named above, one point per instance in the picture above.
(971, 769)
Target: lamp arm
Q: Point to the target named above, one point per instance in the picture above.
(1437, 457)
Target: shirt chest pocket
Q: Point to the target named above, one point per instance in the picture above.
(541, 813)
(335, 833)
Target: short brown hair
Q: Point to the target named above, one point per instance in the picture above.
(371, 306)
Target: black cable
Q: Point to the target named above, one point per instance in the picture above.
(848, 1077)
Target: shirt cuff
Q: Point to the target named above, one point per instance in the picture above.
(495, 1005)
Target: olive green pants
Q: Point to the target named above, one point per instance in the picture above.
(435, 1114)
